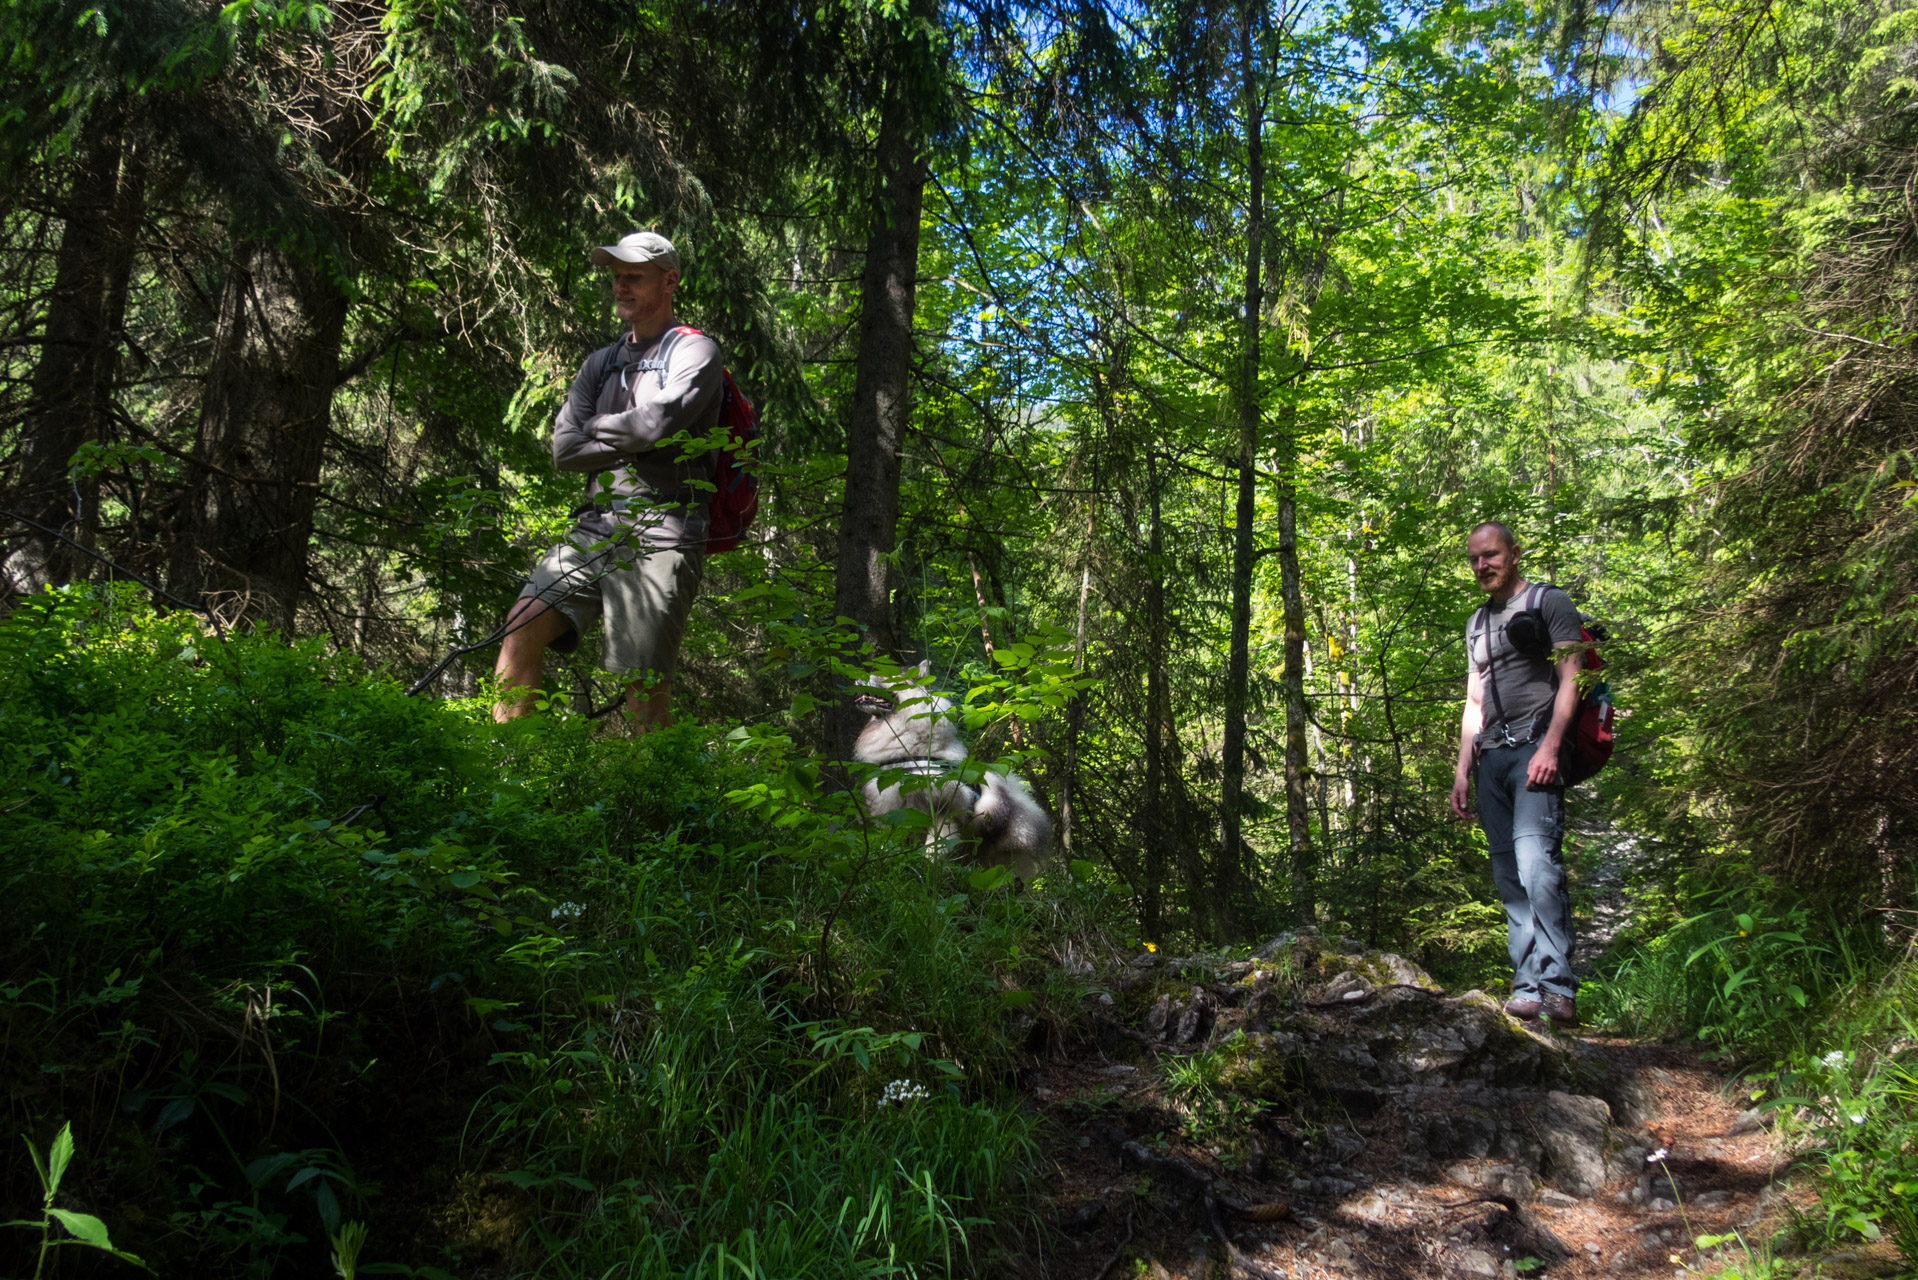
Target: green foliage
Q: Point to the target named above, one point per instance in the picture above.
(1746, 973)
(264, 912)
(1863, 1120)
(1216, 1114)
(1634, 280)
(1835, 1020)
(85, 1229)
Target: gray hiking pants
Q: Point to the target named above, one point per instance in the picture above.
(1525, 831)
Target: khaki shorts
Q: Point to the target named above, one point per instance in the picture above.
(645, 594)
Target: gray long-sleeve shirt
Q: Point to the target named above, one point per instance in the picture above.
(614, 420)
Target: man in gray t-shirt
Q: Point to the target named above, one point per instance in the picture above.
(1524, 649)
(636, 555)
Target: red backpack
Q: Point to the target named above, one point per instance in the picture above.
(1588, 743)
(736, 489)
(735, 500)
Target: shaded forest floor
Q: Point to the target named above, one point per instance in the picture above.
(1147, 1173)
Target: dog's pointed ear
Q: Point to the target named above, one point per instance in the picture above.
(925, 668)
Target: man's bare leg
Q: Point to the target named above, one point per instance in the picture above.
(522, 652)
(649, 707)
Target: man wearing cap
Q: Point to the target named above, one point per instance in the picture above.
(1524, 652)
(636, 554)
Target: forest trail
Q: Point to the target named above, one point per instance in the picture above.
(1465, 1146)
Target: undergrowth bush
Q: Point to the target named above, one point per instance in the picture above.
(327, 978)
(1747, 972)
(1819, 1019)
(1847, 1096)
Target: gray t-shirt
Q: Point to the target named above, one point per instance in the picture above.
(1518, 688)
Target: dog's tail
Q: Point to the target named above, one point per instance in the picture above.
(1012, 829)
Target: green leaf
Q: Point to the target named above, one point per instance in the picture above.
(1863, 1226)
(986, 879)
(1083, 870)
(1016, 999)
(464, 879)
(88, 1228)
(58, 1158)
(1693, 958)
(328, 1205)
(261, 1171)
(40, 1167)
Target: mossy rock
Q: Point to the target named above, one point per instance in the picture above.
(1266, 1066)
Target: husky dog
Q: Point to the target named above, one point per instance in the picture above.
(913, 729)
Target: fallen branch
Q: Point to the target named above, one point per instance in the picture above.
(1507, 1203)
(1152, 1046)
(1217, 1197)
(1113, 1261)
(1239, 1256)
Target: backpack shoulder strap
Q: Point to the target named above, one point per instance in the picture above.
(1491, 684)
(666, 344)
(608, 358)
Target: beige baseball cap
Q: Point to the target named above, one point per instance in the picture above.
(641, 246)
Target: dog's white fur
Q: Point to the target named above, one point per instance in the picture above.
(913, 728)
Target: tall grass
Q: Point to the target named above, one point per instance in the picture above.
(294, 952)
(1750, 972)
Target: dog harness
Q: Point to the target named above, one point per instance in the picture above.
(929, 767)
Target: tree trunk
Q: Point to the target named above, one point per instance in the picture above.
(985, 634)
(1229, 875)
(1157, 705)
(875, 435)
(1300, 859)
(1076, 709)
(263, 424)
(72, 401)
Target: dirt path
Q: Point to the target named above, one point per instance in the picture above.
(1353, 1204)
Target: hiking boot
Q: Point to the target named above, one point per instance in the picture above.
(1560, 1011)
(1523, 1007)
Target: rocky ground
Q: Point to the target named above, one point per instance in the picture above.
(1323, 1111)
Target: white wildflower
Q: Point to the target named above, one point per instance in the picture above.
(1858, 1118)
(900, 1092)
(1657, 1156)
(1834, 1060)
(569, 911)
